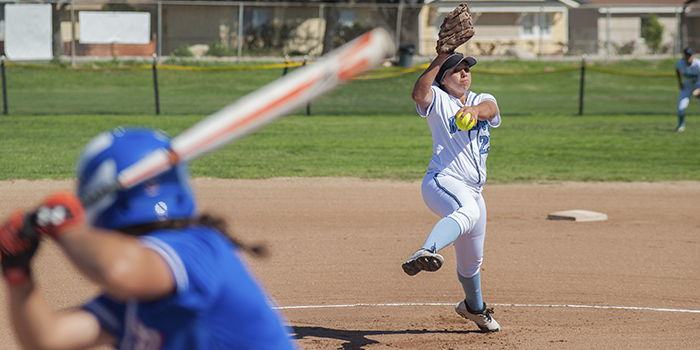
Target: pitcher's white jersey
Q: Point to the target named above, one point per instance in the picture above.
(460, 154)
(690, 73)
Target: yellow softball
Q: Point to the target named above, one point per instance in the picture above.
(461, 121)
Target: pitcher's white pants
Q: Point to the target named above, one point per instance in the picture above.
(448, 196)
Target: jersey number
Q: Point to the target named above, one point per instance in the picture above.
(484, 141)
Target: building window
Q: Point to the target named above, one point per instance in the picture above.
(534, 25)
(254, 20)
(346, 18)
(261, 17)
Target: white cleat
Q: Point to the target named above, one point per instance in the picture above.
(680, 128)
(482, 318)
(422, 260)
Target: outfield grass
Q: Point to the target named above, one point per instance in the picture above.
(368, 128)
(524, 148)
(594, 148)
(550, 91)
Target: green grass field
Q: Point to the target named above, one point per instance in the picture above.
(368, 128)
(524, 148)
(522, 88)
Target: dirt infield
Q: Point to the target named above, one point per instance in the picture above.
(630, 282)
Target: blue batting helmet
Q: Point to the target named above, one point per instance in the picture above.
(167, 196)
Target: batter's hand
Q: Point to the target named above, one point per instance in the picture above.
(18, 243)
(60, 212)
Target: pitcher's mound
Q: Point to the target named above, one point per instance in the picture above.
(577, 215)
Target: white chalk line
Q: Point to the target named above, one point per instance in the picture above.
(496, 304)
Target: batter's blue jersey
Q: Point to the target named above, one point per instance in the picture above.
(217, 304)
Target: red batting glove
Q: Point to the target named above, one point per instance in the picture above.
(60, 212)
(18, 243)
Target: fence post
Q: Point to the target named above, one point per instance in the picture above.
(4, 88)
(308, 105)
(72, 34)
(583, 79)
(155, 83)
(399, 19)
(540, 27)
(607, 34)
(159, 43)
(321, 6)
(240, 31)
(286, 65)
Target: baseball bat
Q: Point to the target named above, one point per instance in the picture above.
(257, 109)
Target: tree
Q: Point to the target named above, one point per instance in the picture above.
(652, 32)
(331, 16)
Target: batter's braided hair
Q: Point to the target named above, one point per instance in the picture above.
(212, 221)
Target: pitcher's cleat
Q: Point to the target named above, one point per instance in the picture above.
(422, 260)
(482, 318)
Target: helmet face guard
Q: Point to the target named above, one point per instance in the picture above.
(168, 196)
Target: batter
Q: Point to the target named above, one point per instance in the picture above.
(170, 278)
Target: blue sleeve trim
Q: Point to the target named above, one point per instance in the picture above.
(171, 258)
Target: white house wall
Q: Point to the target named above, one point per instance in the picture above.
(627, 28)
(670, 25)
(497, 29)
(621, 30)
(497, 26)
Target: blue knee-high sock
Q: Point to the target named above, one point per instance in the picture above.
(472, 291)
(443, 234)
(681, 119)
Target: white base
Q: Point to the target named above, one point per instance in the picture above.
(577, 215)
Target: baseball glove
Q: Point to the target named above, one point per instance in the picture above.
(455, 30)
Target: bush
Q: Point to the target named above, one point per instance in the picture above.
(219, 50)
(625, 49)
(267, 39)
(183, 51)
(652, 32)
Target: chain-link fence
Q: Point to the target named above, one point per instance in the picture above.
(194, 33)
(177, 90)
(244, 29)
(224, 28)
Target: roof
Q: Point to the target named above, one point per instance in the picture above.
(664, 3)
(477, 3)
(602, 6)
(569, 3)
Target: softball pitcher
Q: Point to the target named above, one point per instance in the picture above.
(689, 68)
(456, 173)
